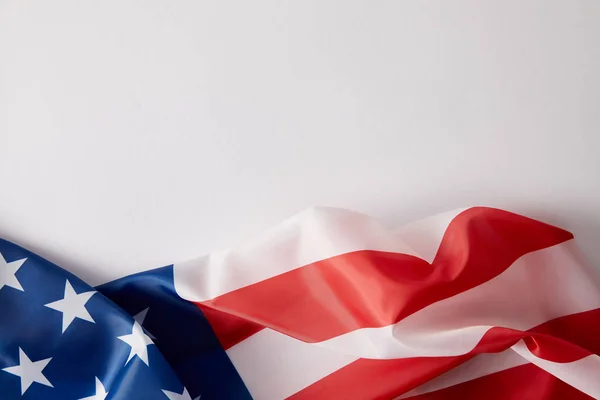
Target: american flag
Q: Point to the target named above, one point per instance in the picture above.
(331, 304)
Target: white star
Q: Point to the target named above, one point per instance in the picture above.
(101, 392)
(29, 371)
(140, 317)
(138, 341)
(8, 271)
(176, 396)
(72, 306)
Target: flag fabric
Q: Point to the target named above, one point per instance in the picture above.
(60, 339)
(331, 304)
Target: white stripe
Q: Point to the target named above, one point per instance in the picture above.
(538, 287)
(481, 365)
(424, 236)
(581, 374)
(311, 236)
(292, 365)
(275, 366)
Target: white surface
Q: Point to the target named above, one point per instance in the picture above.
(136, 134)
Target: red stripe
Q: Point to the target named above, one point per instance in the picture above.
(229, 328)
(518, 383)
(581, 329)
(374, 289)
(569, 338)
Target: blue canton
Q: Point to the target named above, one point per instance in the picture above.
(183, 334)
(62, 339)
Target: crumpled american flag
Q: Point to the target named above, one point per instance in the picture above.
(474, 303)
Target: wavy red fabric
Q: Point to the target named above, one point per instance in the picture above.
(373, 289)
(523, 382)
(563, 339)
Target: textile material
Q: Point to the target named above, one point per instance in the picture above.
(46, 353)
(331, 304)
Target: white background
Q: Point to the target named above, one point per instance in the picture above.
(134, 134)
